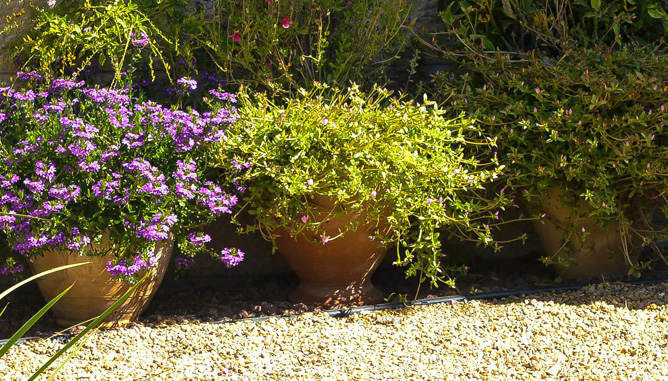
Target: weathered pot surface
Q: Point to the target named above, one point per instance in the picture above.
(94, 288)
(337, 271)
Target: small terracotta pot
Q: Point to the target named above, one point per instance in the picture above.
(94, 288)
(338, 271)
(600, 254)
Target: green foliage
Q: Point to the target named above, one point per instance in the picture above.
(401, 163)
(283, 45)
(73, 35)
(592, 123)
(522, 25)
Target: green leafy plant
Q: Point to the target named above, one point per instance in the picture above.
(402, 163)
(72, 36)
(280, 46)
(514, 25)
(591, 123)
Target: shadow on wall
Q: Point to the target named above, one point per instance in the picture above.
(258, 259)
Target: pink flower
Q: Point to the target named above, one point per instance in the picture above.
(537, 90)
(236, 36)
(324, 239)
(428, 201)
(373, 193)
(304, 218)
(286, 22)
(325, 121)
(309, 181)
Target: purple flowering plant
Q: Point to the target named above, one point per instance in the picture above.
(401, 163)
(78, 162)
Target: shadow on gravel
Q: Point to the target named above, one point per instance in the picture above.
(218, 299)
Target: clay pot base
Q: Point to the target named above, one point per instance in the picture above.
(598, 264)
(363, 294)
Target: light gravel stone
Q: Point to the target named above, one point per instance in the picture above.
(602, 332)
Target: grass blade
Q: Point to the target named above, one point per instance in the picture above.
(25, 327)
(71, 354)
(14, 287)
(91, 326)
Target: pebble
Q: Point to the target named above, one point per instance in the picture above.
(602, 332)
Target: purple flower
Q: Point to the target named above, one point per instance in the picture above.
(139, 263)
(46, 172)
(82, 148)
(231, 257)
(143, 41)
(132, 140)
(223, 96)
(240, 167)
(65, 84)
(6, 270)
(199, 239)
(8, 180)
(34, 186)
(183, 263)
(104, 189)
(27, 96)
(31, 74)
(93, 166)
(187, 83)
(78, 241)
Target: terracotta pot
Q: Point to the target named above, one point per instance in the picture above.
(94, 288)
(340, 270)
(600, 254)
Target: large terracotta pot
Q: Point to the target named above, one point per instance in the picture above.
(338, 271)
(94, 288)
(601, 253)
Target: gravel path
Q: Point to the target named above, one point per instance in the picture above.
(602, 332)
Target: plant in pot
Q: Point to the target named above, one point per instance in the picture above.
(584, 137)
(336, 177)
(94, 174)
